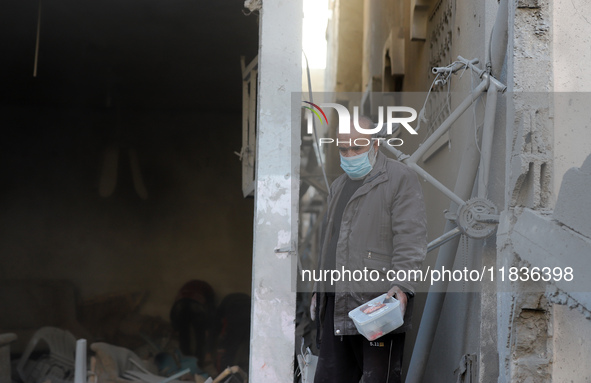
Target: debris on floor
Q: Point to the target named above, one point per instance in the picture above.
(198, 345)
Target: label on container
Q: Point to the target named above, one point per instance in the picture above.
(372, 308)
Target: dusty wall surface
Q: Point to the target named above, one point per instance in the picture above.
(571, 25)
(571, 346)
(381, 18)
(542, 239)
(346, 29)
(546, 135)
(522, 318)
(194, 224)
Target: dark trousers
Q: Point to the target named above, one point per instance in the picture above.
(345, 359)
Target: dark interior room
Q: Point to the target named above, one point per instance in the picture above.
(120, 182)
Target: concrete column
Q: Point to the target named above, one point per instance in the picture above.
(276, 194)
(547, 132)
(528, 148)
(571, 26)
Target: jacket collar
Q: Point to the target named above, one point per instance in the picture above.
(378, 169)
(376, 176)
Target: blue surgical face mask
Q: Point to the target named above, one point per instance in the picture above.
(360, 165)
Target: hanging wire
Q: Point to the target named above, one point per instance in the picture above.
(36, 60)
(422, 112)
(314, 125)
(436, 81)
(447, 81)
(474, 111)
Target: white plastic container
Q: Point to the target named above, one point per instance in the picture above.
(377, 317)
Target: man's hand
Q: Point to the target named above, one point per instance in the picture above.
(313, 307)
(399, 295)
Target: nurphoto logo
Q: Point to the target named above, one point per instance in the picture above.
(391, 119)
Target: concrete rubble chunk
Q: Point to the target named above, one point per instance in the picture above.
(528, 4)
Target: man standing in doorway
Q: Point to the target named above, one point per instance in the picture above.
(375, 221)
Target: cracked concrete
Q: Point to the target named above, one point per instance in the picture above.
(545, 222)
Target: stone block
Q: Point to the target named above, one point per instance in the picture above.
(528, 4)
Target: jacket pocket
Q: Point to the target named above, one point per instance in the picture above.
(377, 267)
(378, 258)
(377, 264)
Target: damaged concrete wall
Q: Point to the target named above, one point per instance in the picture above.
(547, 133)
(541, 239)
(571, 347)
(529, 138)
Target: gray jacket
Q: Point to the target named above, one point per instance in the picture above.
(384, 227)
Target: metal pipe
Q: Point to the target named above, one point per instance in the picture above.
(499, 85)
(446, 257)
(399, 155)
(463, 189)
(472, 65)
(447, 123)
(487, 140)
(434, 244)
(80, 363)
(499, 38)
(484, 75)
(433, 181)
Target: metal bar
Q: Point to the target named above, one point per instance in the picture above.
(448, 122)
(488, 218)
(445, 258)
(487, 139)
(312, 181)
(455, 67)
(498, 40)
(462, 190)
(246, 70)
(251, 148)
(246, 181)
(450, 240)
(80, 368)
(472, 65)
(399, 155)
(434, 244)
(484, 75)
(433, 181)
